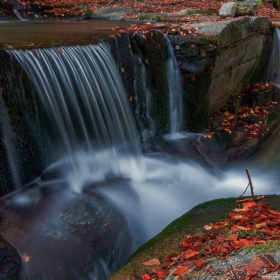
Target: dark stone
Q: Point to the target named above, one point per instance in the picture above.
(10, 261)
(235, 136)
(66, 236)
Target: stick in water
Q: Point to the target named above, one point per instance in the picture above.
(251, 185)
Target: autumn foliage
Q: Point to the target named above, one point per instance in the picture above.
(224, 238)
(53, 9)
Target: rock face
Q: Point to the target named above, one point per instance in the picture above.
(240, 127)
(228, 9)
(218, 64)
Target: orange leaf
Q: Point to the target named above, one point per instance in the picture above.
(190, 254)
(249, 204)
(180, 269)
(201, 263)
(25, 257)
(162, 274)
(152, 262)
(146, 277)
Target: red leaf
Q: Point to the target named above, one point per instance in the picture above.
(190, 254)
(210, 269)
(146, 277)
(180, 270)
(201, 263)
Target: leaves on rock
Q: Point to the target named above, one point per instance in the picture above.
(254, 223)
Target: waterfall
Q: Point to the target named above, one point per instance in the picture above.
(175, 90)
(87, 106)
(274, 63)
(18, 15)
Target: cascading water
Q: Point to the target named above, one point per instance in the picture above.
(175, 90)
(273, 75)
(56, 229)
(86, 103)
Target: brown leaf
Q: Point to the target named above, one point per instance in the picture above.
(152, 262)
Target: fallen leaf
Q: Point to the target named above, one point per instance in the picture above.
(180, 270)
(152, 262)
(25, 257)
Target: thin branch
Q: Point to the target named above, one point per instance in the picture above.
(251, 185)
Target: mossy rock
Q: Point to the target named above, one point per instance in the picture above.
(169, 240)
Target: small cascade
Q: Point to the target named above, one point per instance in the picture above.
(85, 101)
(175, 90)
(273, 75)
(18, 15)
(151, 130)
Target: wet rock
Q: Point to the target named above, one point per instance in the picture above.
(218, 64)
(10, 260)
(234, 136)
(65, 235)
(228, 9)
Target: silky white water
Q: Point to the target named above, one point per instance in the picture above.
(175, 90)
(100, 153)
(84, 98)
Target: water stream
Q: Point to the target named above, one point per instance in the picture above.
(86, 103)
(175, 90)
(102, 165)
(274, 63)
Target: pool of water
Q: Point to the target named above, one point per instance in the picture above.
(48, 33)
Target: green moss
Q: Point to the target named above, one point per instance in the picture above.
(230, 200)
(88, 13)
(198, 12)
(151, 16)
(176, 226)
(78, 8)
(269, 247)
(273, 117)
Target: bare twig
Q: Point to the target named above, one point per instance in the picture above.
(235, 276)
(251, 185)
(265, 258)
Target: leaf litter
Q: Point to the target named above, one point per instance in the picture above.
(252, 224)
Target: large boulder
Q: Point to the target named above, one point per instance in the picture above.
(219, 63)
(228, 9)
(63, 235)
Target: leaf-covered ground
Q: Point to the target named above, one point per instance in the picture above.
(184, 248)
(136, 9)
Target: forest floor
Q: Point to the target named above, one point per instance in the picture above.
(162, 10)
